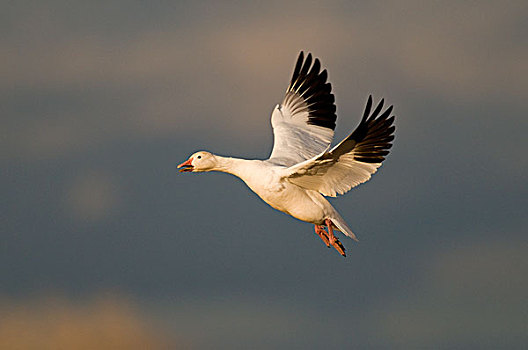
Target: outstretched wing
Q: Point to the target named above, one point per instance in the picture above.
(351, 162)
(303, 124)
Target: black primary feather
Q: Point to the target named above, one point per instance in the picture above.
(371, 140)
(310, 84)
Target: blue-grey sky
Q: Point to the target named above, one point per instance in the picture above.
(100, 100)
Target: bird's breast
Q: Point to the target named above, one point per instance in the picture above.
(282, 195)
(294, 201)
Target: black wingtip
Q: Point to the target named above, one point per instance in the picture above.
(373, 136)
(309, 82)
(301, 56)
(316, 67)
(377, 110)
(367, 108)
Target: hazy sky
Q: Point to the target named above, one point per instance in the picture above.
(100, 100)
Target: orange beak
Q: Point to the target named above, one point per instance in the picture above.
(186, 166)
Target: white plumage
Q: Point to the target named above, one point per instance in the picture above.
(302, 168)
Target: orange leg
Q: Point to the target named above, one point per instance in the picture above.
(333, 240)
(320, 231)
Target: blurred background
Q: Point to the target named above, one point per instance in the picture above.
(103, 244)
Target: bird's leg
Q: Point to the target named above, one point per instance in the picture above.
(333, 240)
(320, 231)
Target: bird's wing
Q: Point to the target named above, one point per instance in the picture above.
(351, 162)
(303, 124)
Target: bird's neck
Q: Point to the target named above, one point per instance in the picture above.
(234, 166)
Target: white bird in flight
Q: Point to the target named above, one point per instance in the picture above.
(302, 169)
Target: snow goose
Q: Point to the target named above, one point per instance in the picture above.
(302, 169)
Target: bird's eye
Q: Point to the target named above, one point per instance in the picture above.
(199, 157)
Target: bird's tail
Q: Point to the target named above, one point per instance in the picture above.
(341, 225)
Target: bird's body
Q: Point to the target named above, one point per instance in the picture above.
(267, 181)
(302, 168)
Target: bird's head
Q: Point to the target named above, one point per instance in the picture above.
(198, 162)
